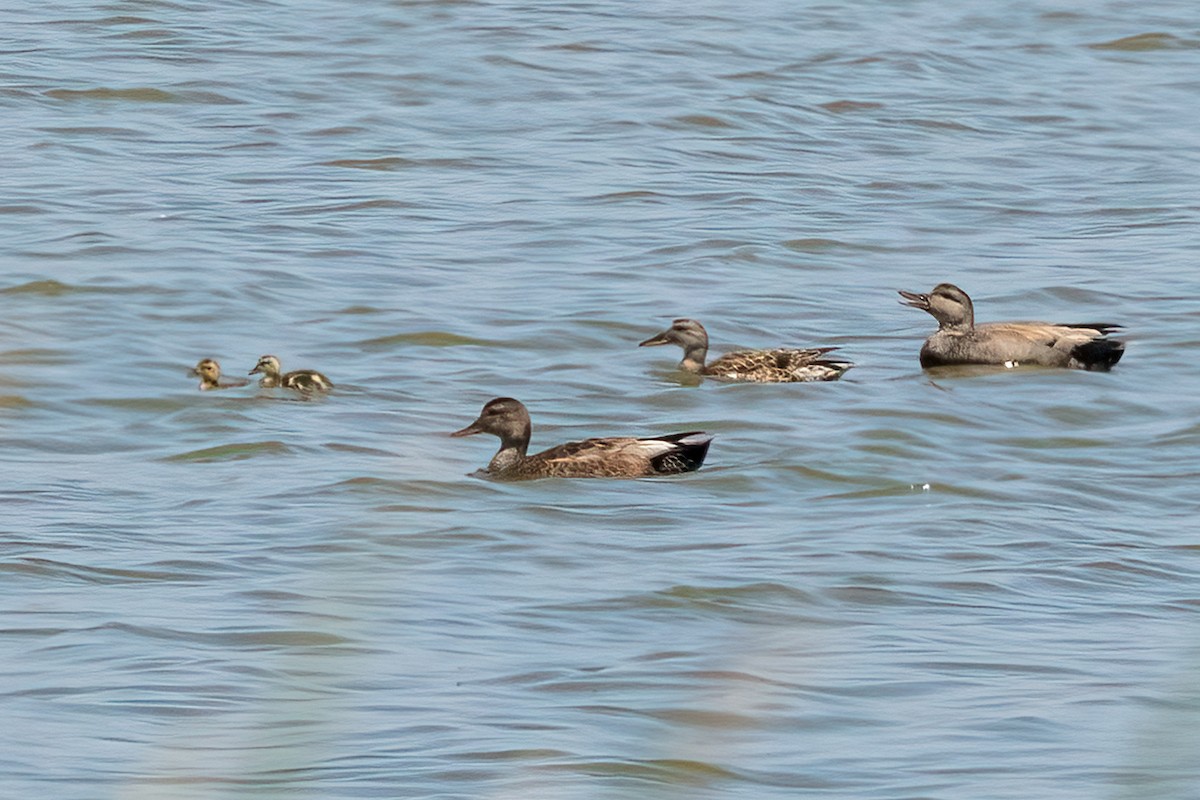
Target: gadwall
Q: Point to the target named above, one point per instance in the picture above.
(755, 366)
(960, 341)
(304, 380)
(624, 457)
(209, 373)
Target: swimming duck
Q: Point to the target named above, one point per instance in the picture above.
(960, 341)
(209, 373)
(304, 380)
(754, 366)
(624, 457)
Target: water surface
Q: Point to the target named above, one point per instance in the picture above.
(899, 585)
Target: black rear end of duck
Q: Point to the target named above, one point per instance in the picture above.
(687, 455)
(1099, 355)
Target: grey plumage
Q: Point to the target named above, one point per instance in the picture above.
(959, 340)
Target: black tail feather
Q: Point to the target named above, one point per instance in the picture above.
(1105, 328)
(688, 454)
(1099, 354)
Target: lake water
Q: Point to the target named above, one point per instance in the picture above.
(900, 585)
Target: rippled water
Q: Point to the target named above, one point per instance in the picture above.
(900, 585)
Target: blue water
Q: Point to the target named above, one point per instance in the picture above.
(899, 585)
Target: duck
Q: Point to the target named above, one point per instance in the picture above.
(959, 340)
(209, 373)
(304, 380)
(617, 457)
(781, 365)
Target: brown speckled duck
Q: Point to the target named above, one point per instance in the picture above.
(960, 341)
(624, 457)
(209, 373)
(753, 366)
(304, 380)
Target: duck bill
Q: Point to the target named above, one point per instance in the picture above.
(470, 430)
(657, 339)
(257, 369)
(915, 300)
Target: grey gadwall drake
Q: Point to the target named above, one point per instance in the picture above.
(755, 366)
(960, 341)
(209, 373)
(304, 380)
(623, 457)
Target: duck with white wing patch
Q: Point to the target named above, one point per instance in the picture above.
(616, 457)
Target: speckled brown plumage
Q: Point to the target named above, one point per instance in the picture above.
(960, 341)
(616, 457)
(779, 365)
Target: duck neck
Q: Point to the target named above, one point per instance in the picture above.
(512, 450)
(962, 325)
(693, 357)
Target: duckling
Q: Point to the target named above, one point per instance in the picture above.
(960, 341)
(623, 457)
(209, 373)
(754, 366)
(304, 380)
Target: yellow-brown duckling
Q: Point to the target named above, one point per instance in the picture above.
(303, 380)
(209, 373)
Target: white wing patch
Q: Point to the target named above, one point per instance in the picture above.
(653, 447)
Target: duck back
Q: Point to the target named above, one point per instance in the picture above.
(1043, 344)
(306, 380)
(623, 457)
(781, 365)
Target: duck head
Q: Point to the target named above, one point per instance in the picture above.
(209, 373)
(267, 365)
(505, 418)
(688, 334)
(946, 303)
